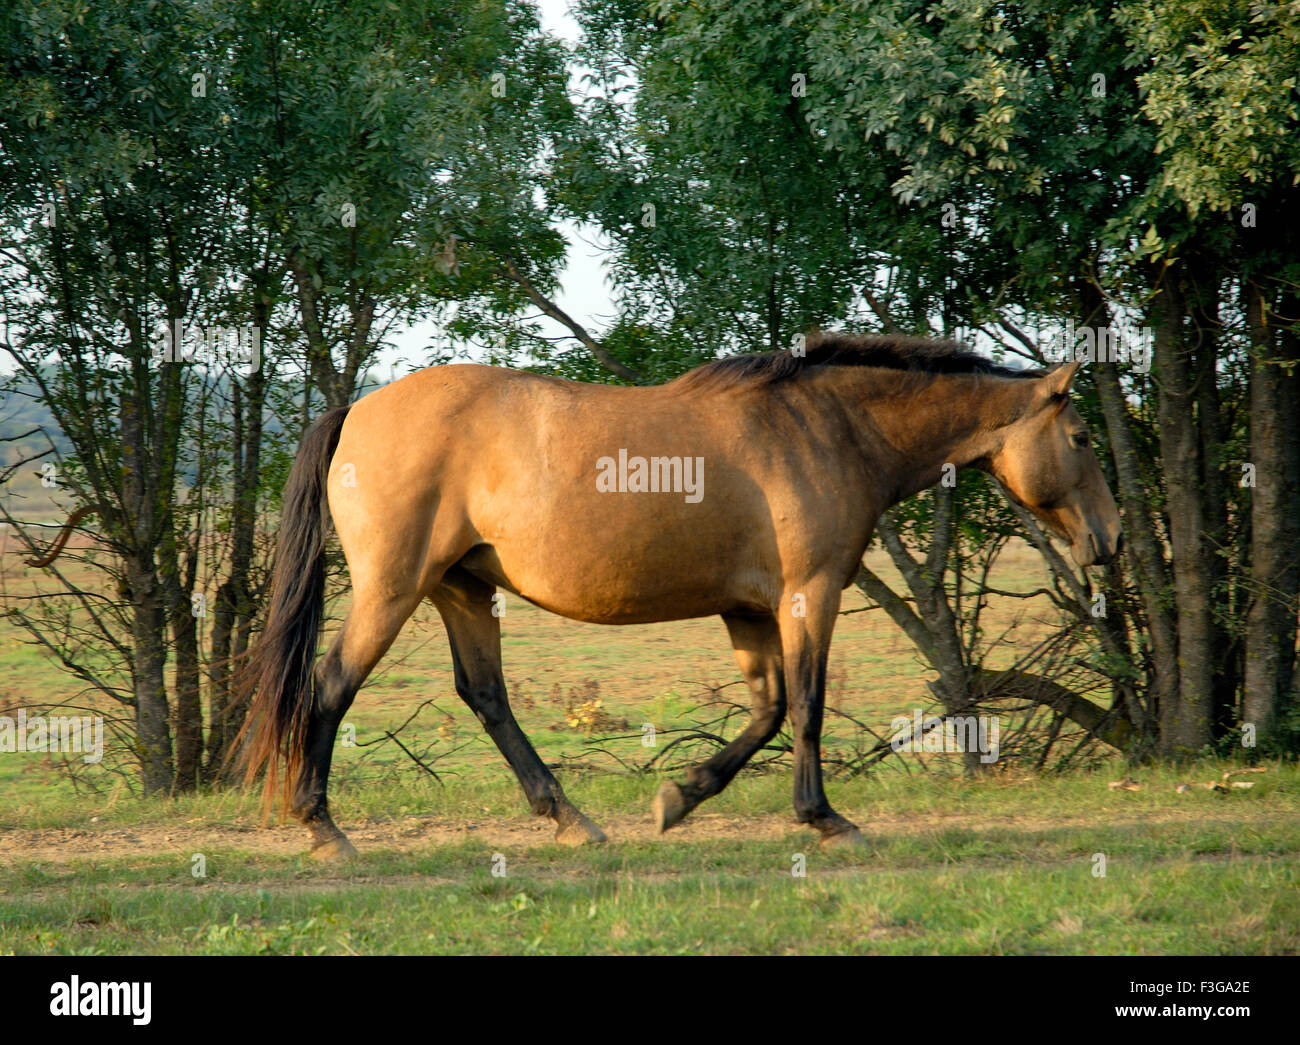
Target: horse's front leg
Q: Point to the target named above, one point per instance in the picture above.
(757, 642)
(807, 619)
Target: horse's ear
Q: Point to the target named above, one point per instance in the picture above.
(1057, 381)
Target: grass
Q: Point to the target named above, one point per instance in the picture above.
(954, 867)
(641, 908)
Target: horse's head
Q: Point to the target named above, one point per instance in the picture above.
(1046, 463)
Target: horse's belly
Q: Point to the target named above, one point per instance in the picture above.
(611, 590)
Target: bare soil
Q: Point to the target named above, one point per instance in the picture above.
(416, 833)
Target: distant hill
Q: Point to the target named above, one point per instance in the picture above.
(20, 413)
(22, 416)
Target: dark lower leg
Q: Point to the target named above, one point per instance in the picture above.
(807, 683)
(475, 638)
(371, 626)
(677, 798)
(334, 694)
(545, 795)
(756, 642)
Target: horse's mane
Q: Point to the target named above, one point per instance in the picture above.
(891, 352)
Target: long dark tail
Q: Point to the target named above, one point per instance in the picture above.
(278, 673)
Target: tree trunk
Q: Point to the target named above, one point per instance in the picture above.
(1187, 725)
(1141, 532)
(149, 616)
(1203, 306)
(1275, 532)
(189, 711)
(932, 626)
(148, 626)
(235, 607)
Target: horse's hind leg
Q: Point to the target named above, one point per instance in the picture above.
(757, 642)
(371, 626)
(465, 603)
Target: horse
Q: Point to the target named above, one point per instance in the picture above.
(748, 487)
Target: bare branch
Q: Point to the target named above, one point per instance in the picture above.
(602, 355)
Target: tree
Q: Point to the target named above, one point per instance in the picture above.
(115, 234)
(393, 155)
(1035, 115)
(307, 175)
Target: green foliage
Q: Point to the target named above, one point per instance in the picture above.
(395, 146)
(1219, 82)
(692, 156)
(1021, 117)
(217, 164)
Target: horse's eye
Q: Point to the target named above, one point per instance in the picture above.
(1080, 440)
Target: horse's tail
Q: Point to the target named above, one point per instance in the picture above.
(278, 673)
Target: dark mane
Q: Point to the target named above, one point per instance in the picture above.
(890, 352)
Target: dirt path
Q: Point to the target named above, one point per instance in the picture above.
(415, 833)
(408, 834)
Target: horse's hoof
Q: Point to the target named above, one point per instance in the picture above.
(669, 806)
(335, 851)
(850, 840)
(579, 831)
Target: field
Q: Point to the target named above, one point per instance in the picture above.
(1007, 864)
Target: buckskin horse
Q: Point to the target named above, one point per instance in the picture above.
(456, 481)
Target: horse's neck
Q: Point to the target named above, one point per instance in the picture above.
(914, 426)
